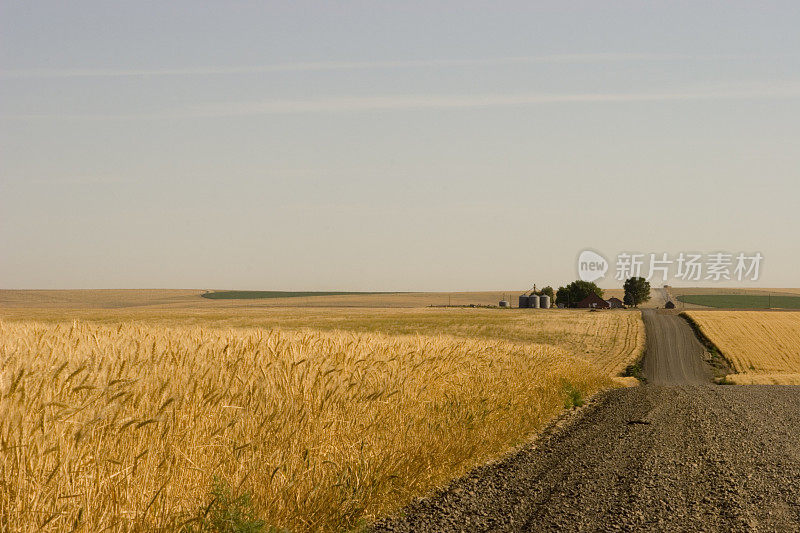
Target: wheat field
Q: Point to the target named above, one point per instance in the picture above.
(762, 346)
(609, 340)
(132, 425)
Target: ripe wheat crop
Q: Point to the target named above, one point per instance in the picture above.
(608, 340)
(762, 346)
(128, 426)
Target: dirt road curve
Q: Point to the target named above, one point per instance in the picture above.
(679, 457)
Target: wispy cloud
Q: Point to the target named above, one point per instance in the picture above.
(77, 180)
(402, 102)
(744, 91)
(335, 65)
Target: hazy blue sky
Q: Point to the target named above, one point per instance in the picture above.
(391, 146)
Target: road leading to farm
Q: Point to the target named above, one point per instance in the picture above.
(676, 454)
(673, 355)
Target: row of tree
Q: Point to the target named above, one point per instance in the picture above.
(637, 291)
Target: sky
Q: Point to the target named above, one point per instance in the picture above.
(405, 146)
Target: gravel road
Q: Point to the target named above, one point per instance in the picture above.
(674, 355)
(676, 454)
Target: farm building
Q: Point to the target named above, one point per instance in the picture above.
(593, 301)
(615, 303)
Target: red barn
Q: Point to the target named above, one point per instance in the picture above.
(593, 301)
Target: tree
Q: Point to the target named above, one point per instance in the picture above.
(577, 291)
(637, 291)
(548, 291)
(562, 296)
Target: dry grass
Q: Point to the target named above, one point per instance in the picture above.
(125, 426)
(762, 346)
(764, 379)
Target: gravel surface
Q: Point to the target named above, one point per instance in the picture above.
(688, 457)
(674, 355)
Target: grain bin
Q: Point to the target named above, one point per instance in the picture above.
(504, 303)
(523, 302)
(544, 301)
(533, 301)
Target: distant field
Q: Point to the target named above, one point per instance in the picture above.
(96, 298)
(735, 290)
(743, 301)
(259, 295)
(678, 292)
(762, 346)
(192, 299)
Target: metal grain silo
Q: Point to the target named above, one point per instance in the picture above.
(533, 301)
(544, 301)
(523, 302)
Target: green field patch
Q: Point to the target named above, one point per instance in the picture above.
(258, 295)
(743, 301)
